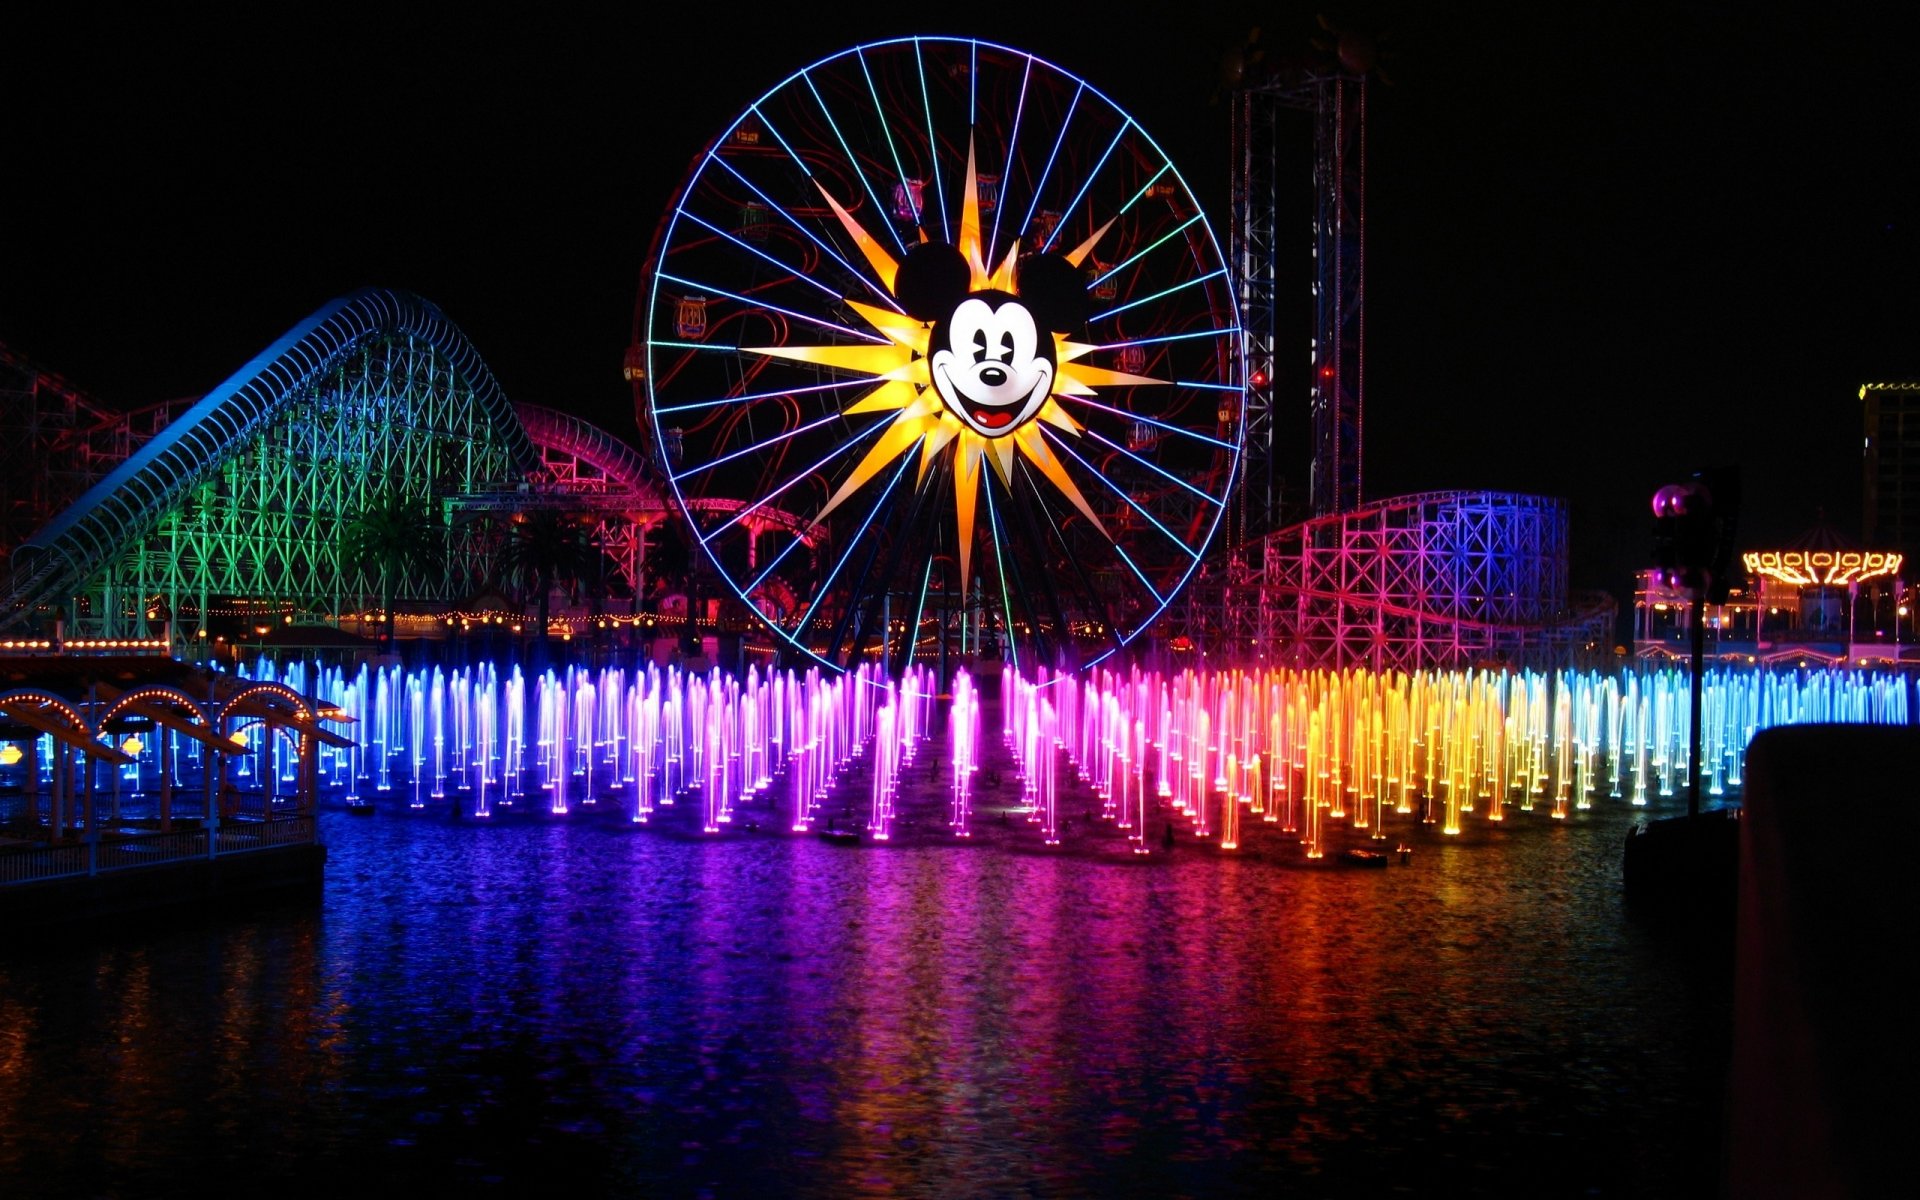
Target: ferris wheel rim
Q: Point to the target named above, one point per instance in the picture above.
(655, 294)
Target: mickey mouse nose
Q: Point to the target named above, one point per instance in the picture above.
(993, 376)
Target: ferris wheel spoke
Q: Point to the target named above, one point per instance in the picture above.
(1006, 172)
(1145, 250)
(750, 248)
(874, 285)
(798, 477)
(933, 144)
(767, 571)
(750, 302)
(673, 344)
(853, 160)
(1218, 501)
(757, 111)
(750, 397)
(1117, 490)
(880, 114)
(1000, 568)
(1021, 589)
(1159, 295)
(854, 541)
(775, 440)
(1088, 181)
(1089, 594)
(1023, 502)
(1053, 156)
(1146, 188)
(1142, 575)
(1222, 331)
(859, 618)
(1146, 420)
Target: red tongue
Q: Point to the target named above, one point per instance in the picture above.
(993, 420)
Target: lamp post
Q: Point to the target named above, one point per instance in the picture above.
(1693, 547)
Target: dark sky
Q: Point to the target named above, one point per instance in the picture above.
(1605, 249)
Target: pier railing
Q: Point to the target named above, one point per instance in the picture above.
(123, 850)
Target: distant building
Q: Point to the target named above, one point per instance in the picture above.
(1891, 509)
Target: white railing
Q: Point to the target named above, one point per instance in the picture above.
(123, 852)
(41, 862)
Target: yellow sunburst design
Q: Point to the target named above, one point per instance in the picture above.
(905, 385)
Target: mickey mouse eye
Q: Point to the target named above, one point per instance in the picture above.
(1006, 346)
(979, 344)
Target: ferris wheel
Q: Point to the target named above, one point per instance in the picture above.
(940, 357)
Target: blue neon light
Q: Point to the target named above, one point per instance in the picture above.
(1047, 172)
(1091, 176)
(787, 312)
(920, 610)
(854, 542)
(1171, 337)
(796, 272)
(853, 162)
(1000, 565)
(1212, 387)
(880, 114)
(1146, 187)
(777, 560)
(1006, 172)
(751, 397)
(774, 130)
(772, 441)
(1137, 256)
(1163, 292)
(673, 345)
(1113, 487)
(885, 296)
(1181, 429)
(933, 144)
(837, 451)
(1095, 435)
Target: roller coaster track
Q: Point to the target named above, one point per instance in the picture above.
(232, 430)
(1440, 579)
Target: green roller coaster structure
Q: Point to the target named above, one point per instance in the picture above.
(246, 496)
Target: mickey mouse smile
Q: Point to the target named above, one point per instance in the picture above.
(990, 364)
(992, 355)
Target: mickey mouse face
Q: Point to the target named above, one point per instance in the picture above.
(991, 364)
(990, 354)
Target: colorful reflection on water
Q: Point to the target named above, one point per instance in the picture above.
(557, 1003)
(1056, 977)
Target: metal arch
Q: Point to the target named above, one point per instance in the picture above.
(303, 707)
(123, 508)
(141, 697)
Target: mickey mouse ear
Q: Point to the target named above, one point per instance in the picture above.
(1052, 290)
(931, 280)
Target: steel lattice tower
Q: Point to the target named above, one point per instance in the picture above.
(1337, 103)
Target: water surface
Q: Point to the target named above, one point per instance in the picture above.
(583, 1004)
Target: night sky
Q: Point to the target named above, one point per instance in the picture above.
(1605, 249)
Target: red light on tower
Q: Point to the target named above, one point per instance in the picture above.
(1257, 380)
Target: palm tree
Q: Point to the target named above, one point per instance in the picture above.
(545, 549)
(670, 568)
(394, 536)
